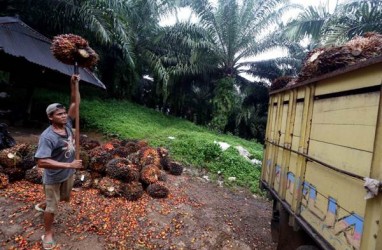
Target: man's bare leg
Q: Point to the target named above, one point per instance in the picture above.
(48, 224)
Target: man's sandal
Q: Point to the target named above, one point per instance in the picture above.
(38, 208)
(47, 245)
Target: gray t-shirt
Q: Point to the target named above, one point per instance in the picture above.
(59, 148)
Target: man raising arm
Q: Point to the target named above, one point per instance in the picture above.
(56, 155)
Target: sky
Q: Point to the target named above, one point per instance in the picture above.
(184, 13)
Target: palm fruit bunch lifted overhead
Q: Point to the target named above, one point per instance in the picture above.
(71, 49)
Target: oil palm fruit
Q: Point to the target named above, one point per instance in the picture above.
(157, 190)
(132, 191)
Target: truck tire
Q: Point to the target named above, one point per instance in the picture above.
(275, 222)
(287, 237)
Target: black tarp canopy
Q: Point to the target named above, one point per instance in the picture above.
(19, 40)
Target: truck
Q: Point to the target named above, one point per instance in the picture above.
(322, 162)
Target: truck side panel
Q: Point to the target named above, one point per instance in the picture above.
(320, 146)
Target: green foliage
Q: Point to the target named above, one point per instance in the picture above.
(223, 103)
(208, 155)
(4, 77)
(231, 164)
(194, 151)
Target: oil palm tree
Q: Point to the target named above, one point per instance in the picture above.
(311, 22)
(235, 29)
(222, 37)
(347, 20)
(354, 18)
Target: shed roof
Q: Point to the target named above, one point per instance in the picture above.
(20, 40)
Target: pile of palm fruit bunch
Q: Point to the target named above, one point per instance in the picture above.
(324, 60)
(126, 168)
(17, 163)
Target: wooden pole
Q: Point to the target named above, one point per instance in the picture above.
(77, 119)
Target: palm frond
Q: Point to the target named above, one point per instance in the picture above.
(273, 68)
(352, 19)
(310, 22)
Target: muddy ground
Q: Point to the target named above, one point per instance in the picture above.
(198, 214)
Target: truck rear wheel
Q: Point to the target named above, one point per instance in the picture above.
(275, 222)
(286, 236)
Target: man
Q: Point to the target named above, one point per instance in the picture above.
(56, 155)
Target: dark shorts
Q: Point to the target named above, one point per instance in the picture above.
(57, 192)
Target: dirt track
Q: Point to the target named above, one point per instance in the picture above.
(197, 215)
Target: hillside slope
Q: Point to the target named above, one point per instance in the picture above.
(188, 143)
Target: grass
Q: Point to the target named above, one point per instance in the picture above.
(192, 145)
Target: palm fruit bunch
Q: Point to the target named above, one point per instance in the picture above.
(95, 151)
(82, 179)
(175, 168)
(4, 181)
(70, 48)
(368, 45)
(142, 144)
(165, 163)
(110, 146)
(310, 66)
(88, 144)
(96, 177)
(164, 158)
(134, 158)
(34, 175)
(280, 82)
(109, 187)
(149, 155)
(119, 169)
(136, 167)
(163, 152)
(99, 159)
(10, 157)
(14, 173)
(26, 152)
(150, 174)
(124, 142)
(131, 147)
(157, 190)
(132, 191)
(120, 152)
(84, 156)
(162, 176)
(134, 173)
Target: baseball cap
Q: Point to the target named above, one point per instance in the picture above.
(53, 107)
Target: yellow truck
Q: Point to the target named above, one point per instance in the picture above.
(323, 160)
